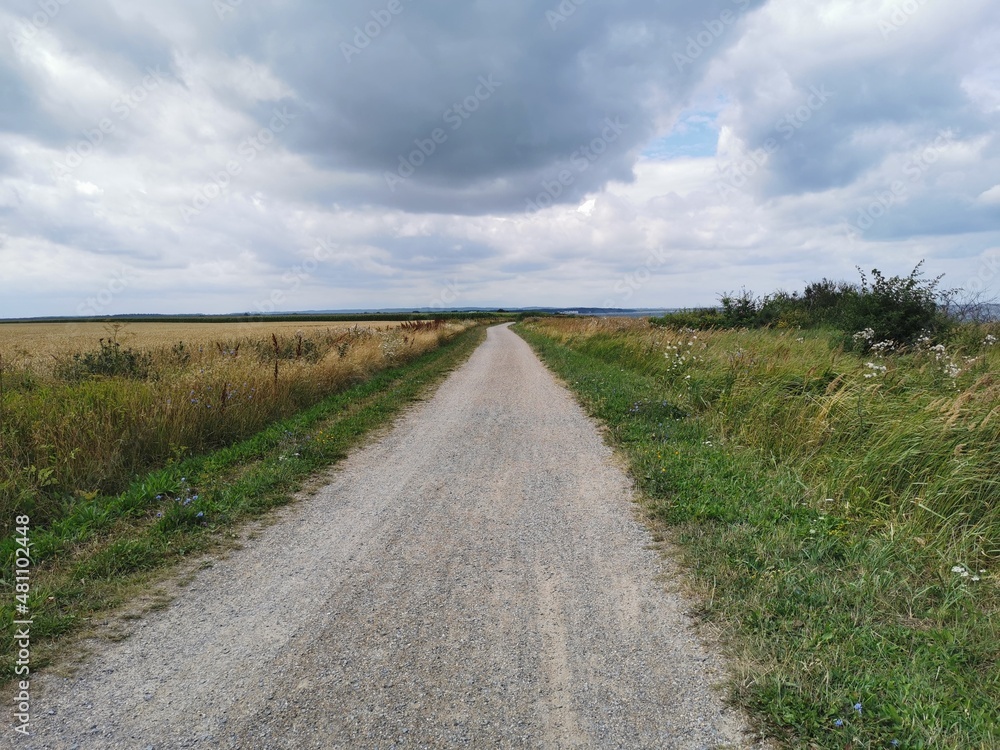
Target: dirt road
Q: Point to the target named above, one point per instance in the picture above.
(475, 578)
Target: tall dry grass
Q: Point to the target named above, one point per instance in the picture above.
(67, 433)
(909, 437)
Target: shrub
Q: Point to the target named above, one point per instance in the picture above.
(900, 309)
(109, 360)
(897, 309)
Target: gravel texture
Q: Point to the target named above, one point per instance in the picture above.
(474, 578)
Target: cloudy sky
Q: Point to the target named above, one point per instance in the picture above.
(247, 155)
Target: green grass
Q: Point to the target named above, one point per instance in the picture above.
(819, 514)
(102, 552)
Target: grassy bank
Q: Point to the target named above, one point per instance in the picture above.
(837, 512)
(102, 550)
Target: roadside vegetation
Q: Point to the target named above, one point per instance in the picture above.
(82, 416)
(834, 493)
(128, 459)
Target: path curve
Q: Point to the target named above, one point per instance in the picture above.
(474, 578)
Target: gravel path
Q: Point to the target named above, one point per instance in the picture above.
(475, 578)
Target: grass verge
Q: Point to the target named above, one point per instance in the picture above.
(99, 556)
(850, 624)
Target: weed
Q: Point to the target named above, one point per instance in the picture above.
(110, 360)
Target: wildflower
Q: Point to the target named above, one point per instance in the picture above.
(876, 368)
(857, 707)
(958, 569)
(159, 515)
(200, 514)
(974, 578)
(838, 723)
(894, 743)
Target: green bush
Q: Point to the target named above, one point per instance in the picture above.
(896, 309)
(109, 360)
(899, 309)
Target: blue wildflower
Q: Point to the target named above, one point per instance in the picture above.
(838, 723)
(857, 707)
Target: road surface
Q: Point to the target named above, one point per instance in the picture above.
(476, 577)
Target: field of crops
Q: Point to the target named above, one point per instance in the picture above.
(40, 346)
(85, 408)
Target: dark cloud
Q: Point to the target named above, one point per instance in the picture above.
(472, 107)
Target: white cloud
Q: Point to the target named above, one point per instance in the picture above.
(990, 197)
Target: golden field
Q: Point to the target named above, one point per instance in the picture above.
(86, 408)
(37, 345)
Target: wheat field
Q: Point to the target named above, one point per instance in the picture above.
(39, 345)
(85, 408)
